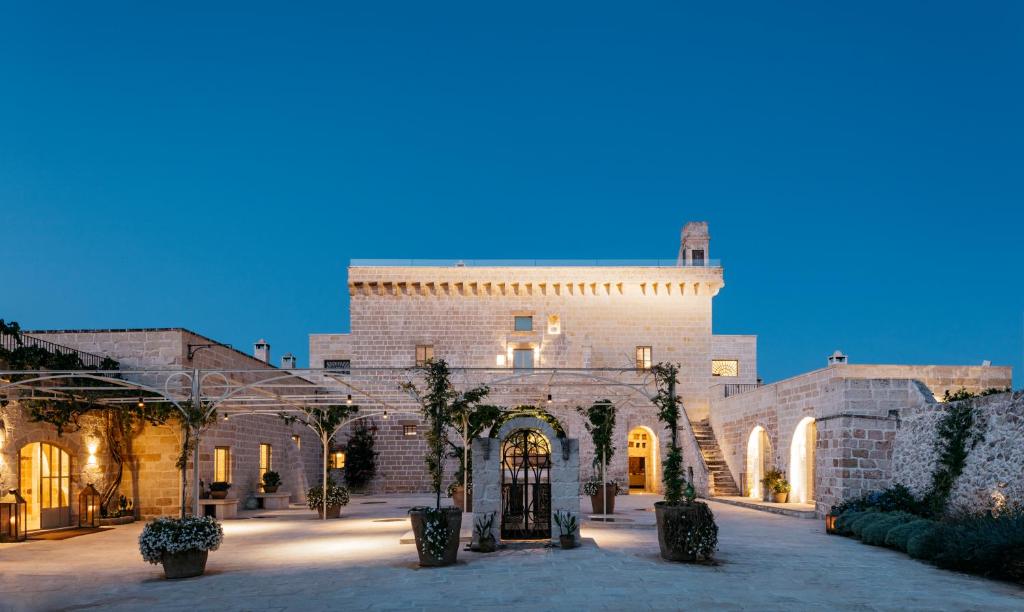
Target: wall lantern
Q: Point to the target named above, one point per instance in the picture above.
(13, 517)
(348, 400)
(830, 523)
(89, 507)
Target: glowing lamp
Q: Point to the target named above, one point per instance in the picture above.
(13, 517)
(348, 400)
(549, 398)
(830, 523)
(385, 415)
(140, 403)
(89, 507)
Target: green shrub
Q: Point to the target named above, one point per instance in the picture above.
(898, 536)
(926, 543)
(844, 520)
(875, 533)
(987, 545)
(869, 518)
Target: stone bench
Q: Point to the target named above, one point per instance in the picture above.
(219, 509)
(273, 501)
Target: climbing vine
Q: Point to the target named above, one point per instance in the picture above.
(954, 439)
(600, 424)
(668, 404)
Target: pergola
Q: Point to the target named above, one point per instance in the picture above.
(296, 392)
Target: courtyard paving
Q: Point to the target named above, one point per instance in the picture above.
(287, 560)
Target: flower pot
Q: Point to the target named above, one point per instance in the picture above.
(457, 499)
(487, 545)
(333, 511)
(674, 522)
(453, 520)
(218, 494)
(597, 500)
(567, 541)
(185, 564)
(780, 498)
(270, 488)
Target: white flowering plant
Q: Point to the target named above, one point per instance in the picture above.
(337, 495)
(171, 535)
(593, 486)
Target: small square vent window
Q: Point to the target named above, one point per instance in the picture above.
(408, 430)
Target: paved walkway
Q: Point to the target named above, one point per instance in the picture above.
(291, 561)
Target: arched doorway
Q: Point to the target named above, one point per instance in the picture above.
(525, 486)
(642, 453)
(44, 480)
(801, 462)
(758, 455)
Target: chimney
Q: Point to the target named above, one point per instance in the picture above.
(836, 358)
(288, 361)
(261, 350)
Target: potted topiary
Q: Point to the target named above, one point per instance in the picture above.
(483, 530)
(337, 496)
(686, 527)
(600, 424)
(437, 529)
(567, 528)
(181, 545)
(271, 481)
(219, 489)
(776, 486)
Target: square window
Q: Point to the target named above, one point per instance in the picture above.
(424, 353)
(697, 257)
(522, 359)
(408, 430)
(643, 358)
(337, 460)
(523, 323)
(725, 367)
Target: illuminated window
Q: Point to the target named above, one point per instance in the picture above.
(554, 325)
(337, 460)
(408, 430)
(522, 359)
(266, 460)
(222, 464)
(524, 323)
(643, 358)
(725, 367)
(424, 353)
(297, 440)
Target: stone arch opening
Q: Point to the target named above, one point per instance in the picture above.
(801, 461)
(642, 450)
(44, 481)
(525, 485)
(758, 457)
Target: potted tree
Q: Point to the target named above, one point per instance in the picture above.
(219, 489)
(567, 528)
(686, 527)
(181, 545)
(437, 529)
(600, 424)
(471, 420)
(337, 496)
(271, 481)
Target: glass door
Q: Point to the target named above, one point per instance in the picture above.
(45, 483)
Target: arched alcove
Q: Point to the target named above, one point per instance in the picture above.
(801, 462)
(758, 458)
(643, 454)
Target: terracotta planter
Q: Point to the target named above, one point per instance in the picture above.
(333, 512)
(597, 501)
(780, 498)
(218, 494)
(674, 518)
(451, 551)
(270, 489)
(185, 564)
(567, 541)
(457, 499)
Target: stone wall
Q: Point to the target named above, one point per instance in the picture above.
(328, 346)
(741, 348)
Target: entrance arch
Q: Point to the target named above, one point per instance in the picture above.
(801, 461)
(642, 452)
(44, 480)
(758, 455)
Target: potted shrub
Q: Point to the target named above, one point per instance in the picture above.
(567, 528)
(181, 545)
(462, 498)
(483, 530)
(219, 490)
(686, 527)
(271, 481)
(599, 420)
(776, 486)
(437, 529)
(337, 496)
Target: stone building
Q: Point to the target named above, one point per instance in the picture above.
(50, 469)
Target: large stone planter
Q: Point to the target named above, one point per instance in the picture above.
(185, 564)
(454, 519)
(671, 521)
(457, 499)
(218, 494)
(333, 511)
(597, 501)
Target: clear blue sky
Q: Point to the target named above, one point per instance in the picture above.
(860, 166)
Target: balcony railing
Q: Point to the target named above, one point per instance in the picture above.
(531, 263)
(732, 389)
(11, 342)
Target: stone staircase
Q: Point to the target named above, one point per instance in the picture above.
(720, 478)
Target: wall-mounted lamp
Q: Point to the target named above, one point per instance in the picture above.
(500, 361)
(3, 433)
(385, 415)
(141, 403)
(225, 416)
(91, 447)
(549, 398)
(348, 400)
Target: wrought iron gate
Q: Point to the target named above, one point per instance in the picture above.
(525, 486)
